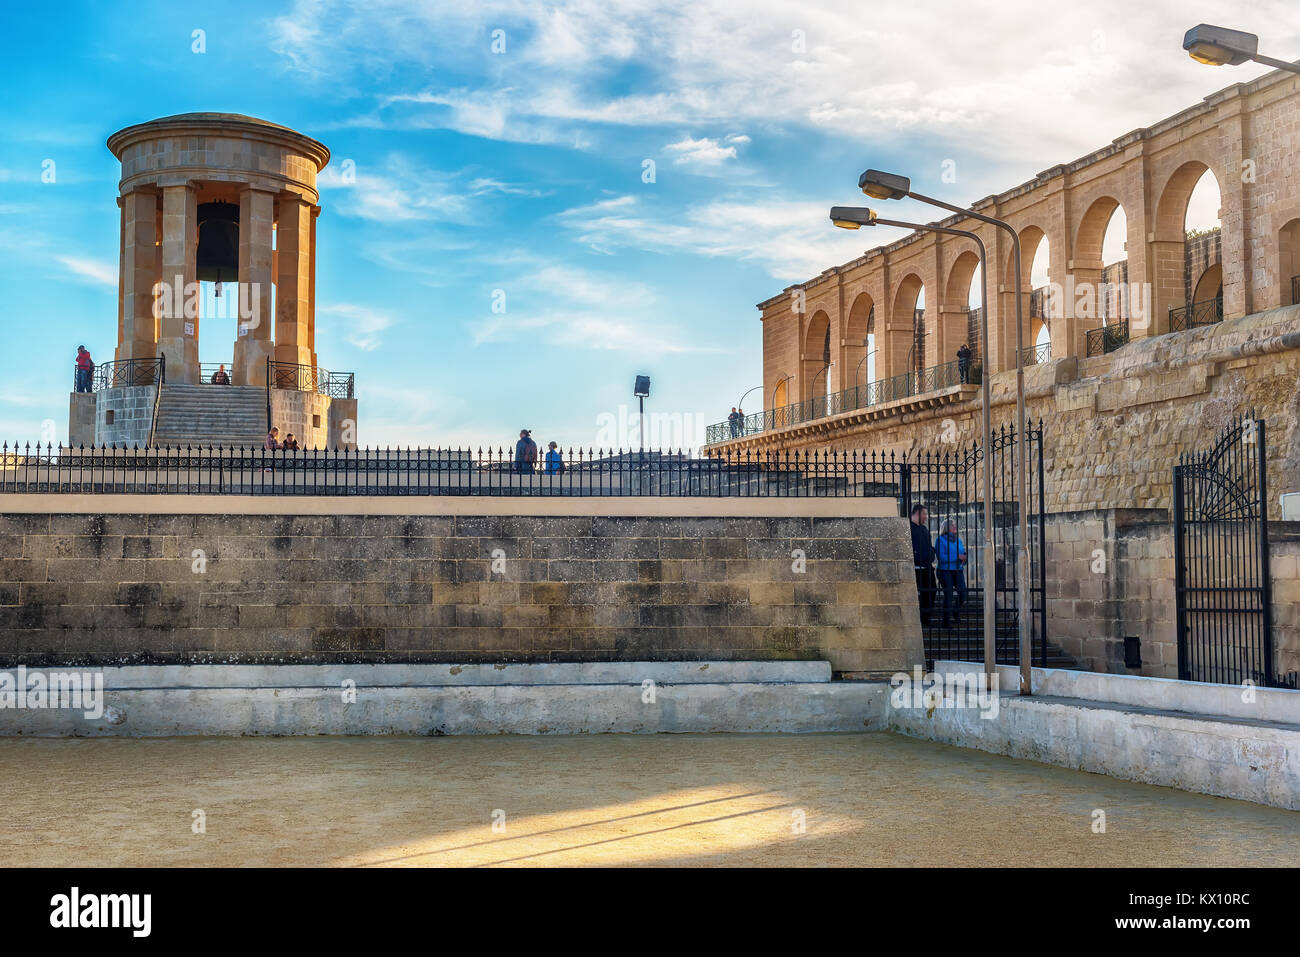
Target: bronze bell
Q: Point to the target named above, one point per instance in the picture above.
(217, 258)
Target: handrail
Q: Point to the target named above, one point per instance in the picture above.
(157, 396)
(907, 384)
(1195, 314)
(1107, 338)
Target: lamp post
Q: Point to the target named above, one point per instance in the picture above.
(852, 217)
(881, 185)
(1219, 46)
(772, 404)
(859, 368)
(740, 407)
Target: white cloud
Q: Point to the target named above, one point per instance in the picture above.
(589, 311)
(1026, 86)
(704, 151)
(363, 325)
(395, 190)
(95, 270)
(791, 240)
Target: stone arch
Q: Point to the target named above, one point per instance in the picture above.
(814, 359)
(859, 341)
(958, 319)
(905, 332)
(1209, 285)
(1034, 305)
(1288, 271)
(1100, 289)
(1169, 247)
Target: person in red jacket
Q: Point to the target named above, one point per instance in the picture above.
(85, 368)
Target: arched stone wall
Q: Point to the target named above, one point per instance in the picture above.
(1244, 134)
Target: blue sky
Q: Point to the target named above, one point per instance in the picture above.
(522, 171)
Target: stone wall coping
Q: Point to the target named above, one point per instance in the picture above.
(1194, 697)
(513, 505)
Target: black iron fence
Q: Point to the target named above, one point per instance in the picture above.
(1196, 314)
(1034, 355)
(124, 372)
(1108, 338)
(1222, 583)
(903, 386)
(948, 482)
(306, 378)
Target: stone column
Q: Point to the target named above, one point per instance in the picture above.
(178, 336)
(311, 294)
(293, 290)
(139, 258)
(253, 334)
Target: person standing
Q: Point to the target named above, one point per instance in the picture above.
(525, 453)
(85, 369)
(734, 421)
(554, 460)
(923, 562)
(951, 552)
(963, 363)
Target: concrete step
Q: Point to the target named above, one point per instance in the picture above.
(192, 415)
(435, 699)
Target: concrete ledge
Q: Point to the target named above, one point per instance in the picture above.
(791, 707)
(1166, 694)
(1246, 759)
(540, 505)
(332, 676)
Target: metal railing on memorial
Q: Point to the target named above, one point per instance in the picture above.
(306, 378)
(124, 372)
(209, 373)
(902, 386)
(1196, 314)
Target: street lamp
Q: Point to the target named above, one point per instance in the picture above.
(867, 356)
(740, 407)
(882, 185)
(1219, 46)
(852, 217)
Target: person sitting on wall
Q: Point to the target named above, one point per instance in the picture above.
(220, 377)
(554, 460)
(923, 562)
(951, 552)
(290, 444)
(85, 369)
(272, 443)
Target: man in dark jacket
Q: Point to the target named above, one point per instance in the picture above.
(525, 453)
(923, 562)
(963, 362)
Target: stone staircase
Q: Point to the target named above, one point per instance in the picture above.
(230, 416)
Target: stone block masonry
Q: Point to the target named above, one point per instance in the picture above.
(294, 588)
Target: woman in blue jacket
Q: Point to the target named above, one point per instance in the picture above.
(951, 552)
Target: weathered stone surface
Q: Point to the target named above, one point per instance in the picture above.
(506, 588)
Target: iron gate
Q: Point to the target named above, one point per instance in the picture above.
(949, 485)
(1221, 574)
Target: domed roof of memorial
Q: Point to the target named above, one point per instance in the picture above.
(236, 123)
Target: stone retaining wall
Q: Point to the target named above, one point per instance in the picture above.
(118, 588)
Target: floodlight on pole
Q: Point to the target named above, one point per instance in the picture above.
(884, 185)
(852, 217)
(1219, 46)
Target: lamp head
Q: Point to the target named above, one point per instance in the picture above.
(880, 185)
(1219, 46)
(852, 217)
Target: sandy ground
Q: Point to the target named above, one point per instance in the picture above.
(862, 799)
